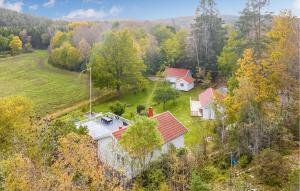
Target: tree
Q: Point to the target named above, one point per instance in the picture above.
(66, 56)
(252, 24)
(141, 139)
(143, 39)
(15, 45)
(45, 39)
(77, 166)
(58, 39)
(23, 36)
(15, 124)
(27, 46)
(3, 43)
(91, 33)
(165, 93)
(84, 50)
(140, 108)
(208, 35)
(254, 99)
(174, 48)
(284, 59)
(49, 138)
(118, 108)
(162, 33)
(18, 173)
(116, 63)
(232, 51)
(197, 184)
(154, 60)
(271, 168)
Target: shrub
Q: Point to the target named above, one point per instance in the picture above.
(208, 173)
(197, 183)
(271, 168)
(244, 160)
(164, 187)
(152, 179)
(165, 93)
(293, 183)
(182, 152)
(140, 108)
(117, 108)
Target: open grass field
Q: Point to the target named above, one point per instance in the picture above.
(48, 87)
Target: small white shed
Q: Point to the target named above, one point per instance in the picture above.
(185, 83)
(181, 79)
(205, 106)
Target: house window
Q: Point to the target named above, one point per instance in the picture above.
(201, 111)
(182, 84)
(118, 157)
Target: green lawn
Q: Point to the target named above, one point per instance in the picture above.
(48, 87)
(181, 109)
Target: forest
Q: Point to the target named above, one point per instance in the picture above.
(253, 144)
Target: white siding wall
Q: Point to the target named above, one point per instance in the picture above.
(208, 112)
(110, 153)
(171, 79)
(186, 86)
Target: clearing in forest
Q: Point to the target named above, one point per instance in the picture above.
(48, 87)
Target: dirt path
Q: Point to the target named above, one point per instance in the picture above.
(80, 104)
(150, 97)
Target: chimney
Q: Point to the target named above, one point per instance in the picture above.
(150, 112)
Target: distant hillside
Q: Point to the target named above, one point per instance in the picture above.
(177, 22)
(14, 19)
(185, 22)
(10, 18)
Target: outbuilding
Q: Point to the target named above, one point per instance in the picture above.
(180, 79)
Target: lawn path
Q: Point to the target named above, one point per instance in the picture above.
(150, 97)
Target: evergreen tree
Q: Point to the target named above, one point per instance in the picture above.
(209, 35)
(253, 23)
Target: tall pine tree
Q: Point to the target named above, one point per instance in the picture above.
(253, 24)
(208, 34)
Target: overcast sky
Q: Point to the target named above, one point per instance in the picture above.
(131, 9)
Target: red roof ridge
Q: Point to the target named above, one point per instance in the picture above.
(178, 120)
(169, 127)
(188, 79)
(176, 72)
(162, 113)
(118, 133)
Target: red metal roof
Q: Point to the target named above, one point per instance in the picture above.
(176, 72)
(188, 79)
(117, 134)
(168, 126)
(206, 97)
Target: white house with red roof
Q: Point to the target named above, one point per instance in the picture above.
(205, 105)
(108, 132)
(181, 79)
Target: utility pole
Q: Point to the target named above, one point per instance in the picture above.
(90, 79)
(90, 93)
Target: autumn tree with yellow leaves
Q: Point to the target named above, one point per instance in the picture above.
(263, 102)
(15, 45)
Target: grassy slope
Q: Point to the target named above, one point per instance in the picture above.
(48, 87)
